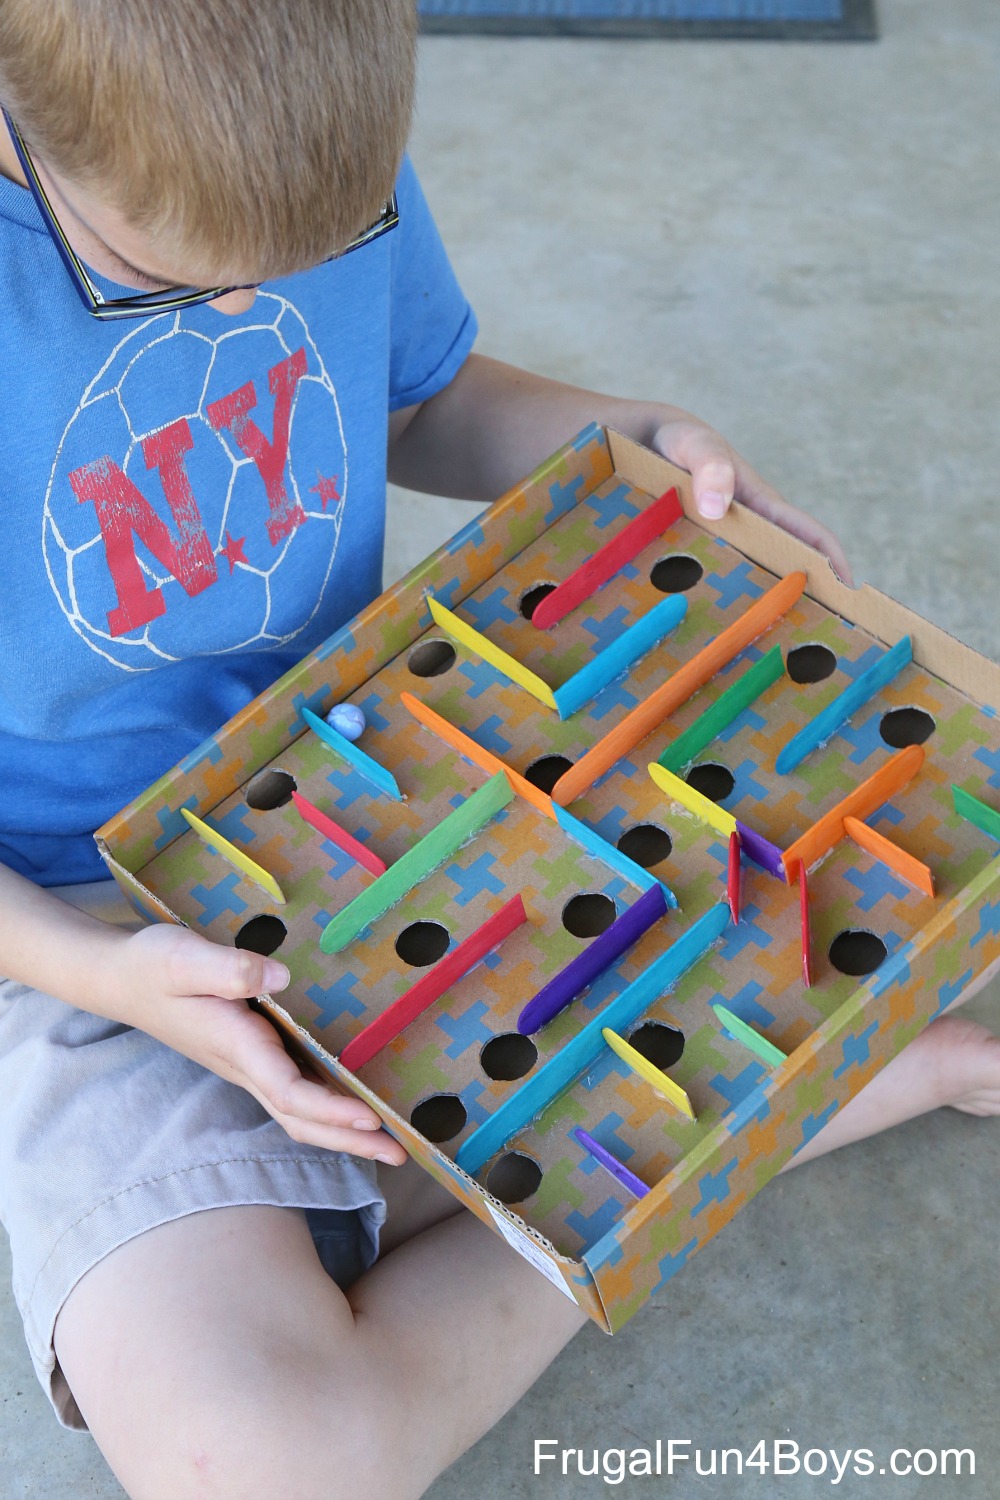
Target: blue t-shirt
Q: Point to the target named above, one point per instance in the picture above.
(191, 502)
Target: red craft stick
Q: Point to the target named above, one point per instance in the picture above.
(380, 1032)
(337, 835)
(735, 875)
(608, 560)
(806, 936)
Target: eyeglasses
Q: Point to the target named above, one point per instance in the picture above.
(144, 304)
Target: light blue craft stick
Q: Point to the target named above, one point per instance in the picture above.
(826, 723)
(584, 1049)
(376, 775)
(609, 855)
(616, 659)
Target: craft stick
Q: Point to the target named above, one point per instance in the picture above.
(741, 1032)
(608, 560)
(242, 862)
(644, 1069)
(618, 1170)
(432, 985)
(332, 830)
(727, 708)
(473, 640)
(417, 863)
(734, 875)
(896, 773)
(826, 723)
(763, 853)
(584, 1049)
(381, 779)
(906, 866)
(484, 759)
(590, 840)
(598, 956)
(704, 809)
(804, 924)
(974, 811)
(616, 659)
(678, 688)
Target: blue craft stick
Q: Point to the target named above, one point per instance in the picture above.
(583, 1050)
(610, 1163)
(826, 723)
(617, 658)
(599, 955)
(590, 840)
(377, 775)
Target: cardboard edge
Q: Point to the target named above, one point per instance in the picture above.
(139, 896)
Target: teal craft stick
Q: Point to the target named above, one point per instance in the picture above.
(616, 659)
(749, 1037)
(727, 708)
(377, 775)
(609, 855)
(584, 1049)
(417, 863)
(826, 723)
(980, 814)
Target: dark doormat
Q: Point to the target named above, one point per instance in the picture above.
(787, 20)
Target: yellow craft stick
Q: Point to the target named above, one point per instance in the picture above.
(468, 636)
(242, 862)
(633, 1059)
(696, 802)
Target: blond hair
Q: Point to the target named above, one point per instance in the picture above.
(248, 138)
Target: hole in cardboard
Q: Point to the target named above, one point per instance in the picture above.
(269, 789)
(532, 598)
(660, 1044)
(422, 943)
(440, 1117)
(546, 771)
(810, 663)
(647, 843)
(589, 914)
(514, 1177)
(906, 726)
(264, 934)
(508, 1056)
(676, 574)
(431, 658)
(857, 951)
(713, 780)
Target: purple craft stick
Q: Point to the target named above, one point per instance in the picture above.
(761, 851)
(611, 1163)
(601, 954)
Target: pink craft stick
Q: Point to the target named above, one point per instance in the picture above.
(608, 560)
(337, 835)
(734, 876)
(402, 1012)
(804, 915)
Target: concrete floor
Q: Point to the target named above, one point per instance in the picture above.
(799, 243)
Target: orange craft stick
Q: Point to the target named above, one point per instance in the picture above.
(906, 866)
(480, 757)
(684, 683)
(898, 771)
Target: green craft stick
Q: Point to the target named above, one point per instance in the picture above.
(969, 807)
(709, 725)
(750, 1038)
(432, 850)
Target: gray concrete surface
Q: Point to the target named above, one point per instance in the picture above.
(799, 243)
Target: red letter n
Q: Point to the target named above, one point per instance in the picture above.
(233, 411)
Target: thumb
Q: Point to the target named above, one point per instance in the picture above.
(196, 966)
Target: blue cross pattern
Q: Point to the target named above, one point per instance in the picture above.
(341, 863)
(895, 970)
(735, 1090)
(472, 1097)
(854, 669)
(591, 1227)
(609, 507)
(471, 535)
(745, 1005)
(338, 1000)
(236, 825)
(466, 1030)
(813, 1124)
(172, 823)
(209, 750)
(735, 585)
(314, 702)
(989, 923)
(370, 708)
(951, 991)
(864, 737)
(714, 1188)
(610, 824)
(753, 1106)
(475, 879)
(341, 640)
(626, 768)
(486, 612)
(874, 884)
(990, 759)
(615, 695)
(737, 937)
(748, 719)
(605, 1131)
(488, 735)
(746, 783)
(562, 498)
(886, 814)
(481, 677)
(349, 786)
(215, 899)
(671, 1263)
(606, 631)
(856, 1049)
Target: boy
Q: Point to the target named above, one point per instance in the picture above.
(196, 496)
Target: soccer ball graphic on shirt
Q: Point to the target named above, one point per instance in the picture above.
(196, 500)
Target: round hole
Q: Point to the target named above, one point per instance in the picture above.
(857, 951)
(588, 915)
(810, 663)
(713, 781)
(660, 1044)
(423, 943)
(514, 1177)
(676, 574)
(269, 789)
(647, 844)
(532, 598)
(546, 771)
(440, 1117)
(906, 726)
(431, 658)
(262, 935)
(508, 1056)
